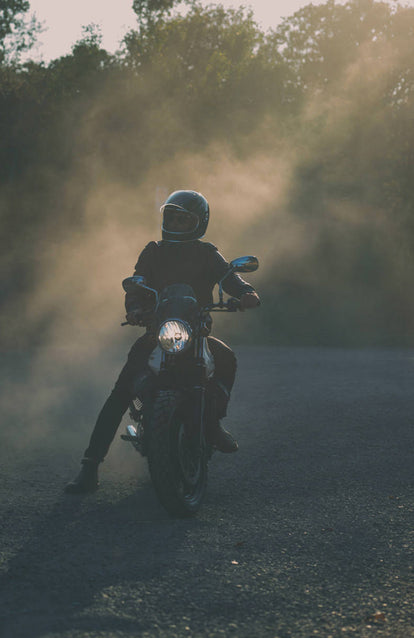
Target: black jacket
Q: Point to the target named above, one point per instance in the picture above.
(196, 263)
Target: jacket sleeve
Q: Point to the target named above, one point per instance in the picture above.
(143, 267)
(233, 284)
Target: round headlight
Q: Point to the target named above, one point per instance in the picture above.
(174, 336)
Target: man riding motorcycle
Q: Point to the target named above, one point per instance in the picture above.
(179, 258)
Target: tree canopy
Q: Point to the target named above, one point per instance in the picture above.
(17, 31)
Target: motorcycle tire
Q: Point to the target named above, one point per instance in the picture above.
(178, 472)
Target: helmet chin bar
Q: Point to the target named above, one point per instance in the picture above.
(178, 236)
(181, 233)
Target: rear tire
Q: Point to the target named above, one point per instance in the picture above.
(178, 472)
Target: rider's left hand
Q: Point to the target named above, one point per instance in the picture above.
(249, 300)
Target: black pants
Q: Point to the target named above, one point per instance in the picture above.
(118, 401)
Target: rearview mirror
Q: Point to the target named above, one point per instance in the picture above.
(138, 283)
(131, 284)
(244, 264)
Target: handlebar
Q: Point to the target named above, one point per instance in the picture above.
(231, 305)
(144, 317)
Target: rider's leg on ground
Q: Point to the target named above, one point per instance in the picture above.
(117, 403)
(110, 417)
(86, 480)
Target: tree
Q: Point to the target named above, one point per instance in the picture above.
(352, 64)
(17, 31)
(320, 41)
(150, 11)
(213, 67)
(80, 72)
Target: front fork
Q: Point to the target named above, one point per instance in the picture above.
(195, 427)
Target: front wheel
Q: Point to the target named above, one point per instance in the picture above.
(178, 468)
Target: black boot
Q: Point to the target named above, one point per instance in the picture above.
(220, 438)
(87, 479)
(216, 435)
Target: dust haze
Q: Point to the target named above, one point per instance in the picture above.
(331, 264)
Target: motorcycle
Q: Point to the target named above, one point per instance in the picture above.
(174, 397)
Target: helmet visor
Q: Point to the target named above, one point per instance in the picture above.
(176, 220)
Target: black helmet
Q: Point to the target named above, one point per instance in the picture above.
(190, 205)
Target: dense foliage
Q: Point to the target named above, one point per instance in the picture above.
(17, 33)
(317, 114)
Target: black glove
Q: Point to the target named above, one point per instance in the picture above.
(134, 317)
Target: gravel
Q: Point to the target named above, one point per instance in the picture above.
(306, 531)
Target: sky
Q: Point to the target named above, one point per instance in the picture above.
(63, 20)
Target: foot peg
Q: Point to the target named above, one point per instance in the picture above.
(136, 438)
(131, 434)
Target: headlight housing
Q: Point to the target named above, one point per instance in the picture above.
(174, 336)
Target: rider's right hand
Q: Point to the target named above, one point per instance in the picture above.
(134, 317)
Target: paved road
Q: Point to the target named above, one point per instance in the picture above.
(307, 531)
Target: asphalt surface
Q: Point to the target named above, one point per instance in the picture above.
(307, 531)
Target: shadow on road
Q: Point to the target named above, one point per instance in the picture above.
(82, 548)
